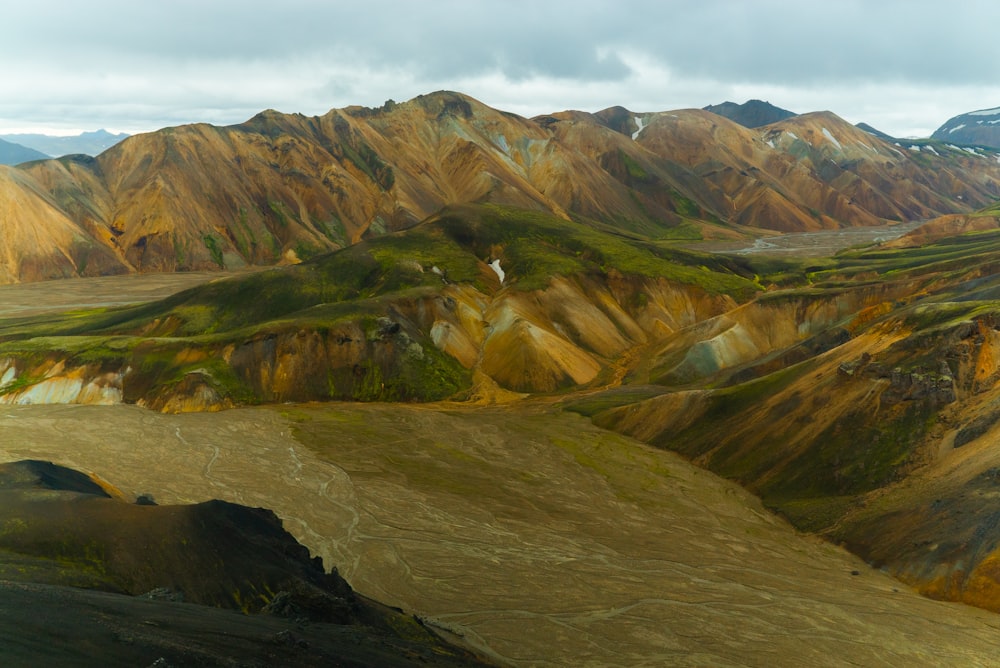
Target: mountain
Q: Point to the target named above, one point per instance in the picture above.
(873, 131)
(750, 114)
(14, 154)
(86, 143)
(282, 188)
(976, 128)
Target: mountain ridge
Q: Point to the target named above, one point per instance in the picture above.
(752, 113)
(12, 153)
(280, 188)
(55, 146)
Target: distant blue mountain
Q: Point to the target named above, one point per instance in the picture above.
(88, 143)
(15, 154)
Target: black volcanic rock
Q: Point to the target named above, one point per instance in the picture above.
(981, 128)
(751, 114)
(63, 532)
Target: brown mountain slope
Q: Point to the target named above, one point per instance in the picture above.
(280, 188)
(42, 241)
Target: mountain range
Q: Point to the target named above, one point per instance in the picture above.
(86, 143)
(282, 188)
(12, 153)
(539, 280)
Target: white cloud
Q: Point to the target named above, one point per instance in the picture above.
(903, 66)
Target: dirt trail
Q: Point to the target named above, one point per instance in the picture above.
(530, 533)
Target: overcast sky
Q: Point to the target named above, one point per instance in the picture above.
(904, 66)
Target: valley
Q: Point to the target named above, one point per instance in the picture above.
(811, 244)
(605, 389)
(523, 531)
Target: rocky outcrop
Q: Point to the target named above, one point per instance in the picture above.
(54, 381)
(63, 533)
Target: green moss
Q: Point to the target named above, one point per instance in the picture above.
(278, 209)
(22, 382)
(634, 170)
(212, 244)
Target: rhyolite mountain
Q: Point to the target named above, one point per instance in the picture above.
(55, 146)
(281, 188)
(752, 113)
(978, 128)
(12, 153)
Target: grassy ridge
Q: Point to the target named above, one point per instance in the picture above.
(534, 246)
(356, 287)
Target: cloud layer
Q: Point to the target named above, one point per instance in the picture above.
(905, 67)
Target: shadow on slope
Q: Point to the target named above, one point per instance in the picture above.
(61, 531)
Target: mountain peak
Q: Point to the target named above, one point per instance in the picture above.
(752, 113)
(980, 127)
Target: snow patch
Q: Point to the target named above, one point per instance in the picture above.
(639, 123)
(791, 134)
(495, 266)
(931, 149)
(915, 148)
(828, 135)
(957, 127)
(985, 112)
(770, 143)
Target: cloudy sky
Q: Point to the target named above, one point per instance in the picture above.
(904, 66)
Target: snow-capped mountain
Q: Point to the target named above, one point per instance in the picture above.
(976, 127)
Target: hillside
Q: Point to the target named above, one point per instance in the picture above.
(94, 578)
(419, 314)
(283, 188)
(523, 530)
